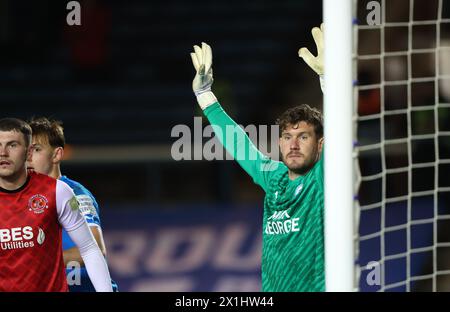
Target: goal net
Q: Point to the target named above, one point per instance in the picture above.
(402, 135)
(387, 121)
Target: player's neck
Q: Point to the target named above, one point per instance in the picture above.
(293, 175)
(56, 172)
(15, 181)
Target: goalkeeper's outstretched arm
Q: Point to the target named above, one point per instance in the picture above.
(257, 165)
(230, 134)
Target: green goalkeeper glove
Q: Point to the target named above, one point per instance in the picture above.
(315, 62)
(203, 80)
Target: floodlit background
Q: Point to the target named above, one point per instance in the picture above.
(122, 80)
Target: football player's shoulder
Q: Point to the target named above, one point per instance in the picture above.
(79, 190)
(278, 175)
(277, 169)
(77, 187)
(42, 178)
(73, 184)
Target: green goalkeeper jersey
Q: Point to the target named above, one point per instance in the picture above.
(293, 224)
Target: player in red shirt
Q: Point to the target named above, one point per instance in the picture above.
(33, 210)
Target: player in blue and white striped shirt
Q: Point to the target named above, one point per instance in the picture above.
(48, 149)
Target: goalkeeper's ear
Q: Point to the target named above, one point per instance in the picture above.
(320, 147)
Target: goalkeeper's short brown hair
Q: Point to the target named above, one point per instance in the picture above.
(301, 113)
(49, 129)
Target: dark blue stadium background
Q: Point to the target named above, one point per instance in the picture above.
(122, 80)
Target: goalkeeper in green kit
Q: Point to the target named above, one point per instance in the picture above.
(293, 220)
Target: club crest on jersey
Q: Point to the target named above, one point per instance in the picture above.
(37, 203)
(298, 189)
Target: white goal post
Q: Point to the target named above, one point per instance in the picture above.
(338, 112)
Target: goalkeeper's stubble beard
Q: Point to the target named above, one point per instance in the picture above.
(302, 164)
(301, 161)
